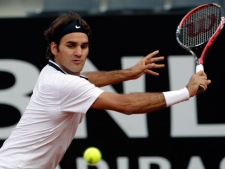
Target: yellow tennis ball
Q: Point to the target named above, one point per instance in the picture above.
(92, 155)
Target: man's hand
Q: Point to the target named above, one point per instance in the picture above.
(146, 65)
(195, 81)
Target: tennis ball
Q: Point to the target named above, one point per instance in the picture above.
(92, 155)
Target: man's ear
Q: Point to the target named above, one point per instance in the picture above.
(53, 47)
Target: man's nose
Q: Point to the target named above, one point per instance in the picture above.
(78, 51)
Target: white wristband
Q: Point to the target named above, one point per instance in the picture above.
(174, 97)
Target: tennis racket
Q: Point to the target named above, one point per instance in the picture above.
(197, 31)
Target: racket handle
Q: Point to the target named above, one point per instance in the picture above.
(199, 68)
(201, 88)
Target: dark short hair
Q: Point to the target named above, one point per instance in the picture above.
(52, 32)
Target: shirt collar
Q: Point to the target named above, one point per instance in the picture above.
(57, 67)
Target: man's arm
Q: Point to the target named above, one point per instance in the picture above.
(132, 103)
(103, 78)
(138, 103)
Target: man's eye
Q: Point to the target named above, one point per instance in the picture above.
(84, 46)
(70, 46)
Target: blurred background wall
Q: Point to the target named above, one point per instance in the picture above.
(26, 8)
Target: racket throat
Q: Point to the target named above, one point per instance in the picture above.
(197, 50)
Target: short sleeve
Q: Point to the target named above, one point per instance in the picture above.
(77, 94)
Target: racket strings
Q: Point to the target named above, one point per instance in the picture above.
(200, 26)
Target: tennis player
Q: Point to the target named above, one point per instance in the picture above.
(62, 96)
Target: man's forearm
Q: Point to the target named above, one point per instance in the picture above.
(103, 78)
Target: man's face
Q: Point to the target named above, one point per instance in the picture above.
(72, 52)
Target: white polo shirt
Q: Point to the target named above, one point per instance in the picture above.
(47, 127)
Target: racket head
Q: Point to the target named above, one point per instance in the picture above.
(197, 27)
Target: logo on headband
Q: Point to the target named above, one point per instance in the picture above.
(69, 28)
(77, 27)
